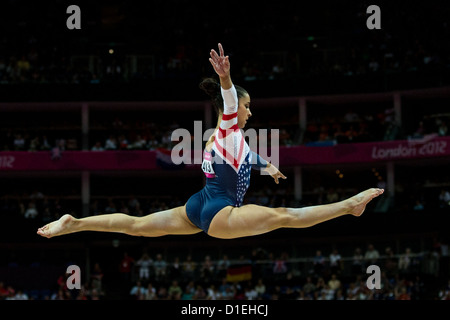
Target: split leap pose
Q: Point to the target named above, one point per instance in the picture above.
(217, 208)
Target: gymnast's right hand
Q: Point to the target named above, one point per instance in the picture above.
(220, 63)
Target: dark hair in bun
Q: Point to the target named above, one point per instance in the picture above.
(212, 88)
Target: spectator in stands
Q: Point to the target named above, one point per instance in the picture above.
(144, 264)
(249, 292)
(319, 263)
(36, 195)
(60, 295)
(19, 143)
(444, 199)
(175, 291)
(189, 291)
(111, 206)
(45, 145)
(228, 292)
(339, 295)
(123, 142)
(31, 212)
(357, 261)
(133, 204)
(152, 142)
(332, 195)
(125, 267)
(222, 266)
(139, 143)
(4, 292)
(279, 266)
(390, 261)
(351, 133)
(34, 144)
(444, 292)
(150, 293)
(96, 277)
(200, 293)
(320, 287)
(405, 261)
(207, 269)
(335, 262)
(260, 288)
(372, 255)
(189, 268)
(334, 283)
(47, 216)
(175, 269)
(363, 291)
(162, 293)
(138, 292)
(351, 116)
(23, 66)
(160, 267)
(381, 183)
(418, 206)
(442, 128)
(213, 293)
(339, 134)
(309, 287)
(111, 143)
(420, 131)
(97, 147)
(402, 294)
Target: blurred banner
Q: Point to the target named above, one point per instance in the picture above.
(156, 159)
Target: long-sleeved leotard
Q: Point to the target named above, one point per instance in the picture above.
(227, 168)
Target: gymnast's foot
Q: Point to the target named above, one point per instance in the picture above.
(58, 227)
(357, 204)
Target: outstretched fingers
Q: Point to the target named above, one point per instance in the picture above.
(277, 176)
(220, 62)
(214, 55)
(221, 50)
(219, 57)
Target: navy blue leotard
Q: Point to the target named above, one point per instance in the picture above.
(227, 167)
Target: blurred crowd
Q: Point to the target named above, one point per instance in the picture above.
(287, 40)
(260, 275)
(44, 208)
(302, 44)
(131, 133)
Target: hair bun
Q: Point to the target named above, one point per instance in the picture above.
(211, 87)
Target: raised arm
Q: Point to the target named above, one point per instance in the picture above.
(221, 65)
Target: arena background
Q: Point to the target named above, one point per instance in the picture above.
(355, 107)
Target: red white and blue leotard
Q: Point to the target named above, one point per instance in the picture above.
(227, 168)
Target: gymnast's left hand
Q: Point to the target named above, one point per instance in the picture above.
(278, 175)
(275, 173)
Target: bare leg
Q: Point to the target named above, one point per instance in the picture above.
(251, 220)
(172, 221)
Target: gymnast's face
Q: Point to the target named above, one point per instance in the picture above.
(243, 111)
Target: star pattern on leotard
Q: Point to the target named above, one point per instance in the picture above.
(243, 181)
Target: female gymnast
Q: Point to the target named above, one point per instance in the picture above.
(217, 209)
